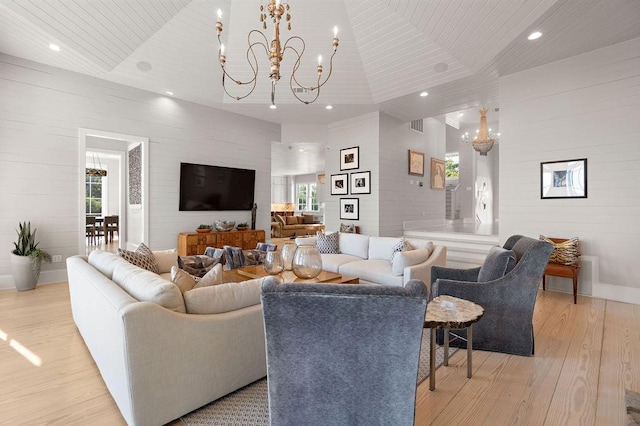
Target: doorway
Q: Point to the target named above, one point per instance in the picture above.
(132, 175)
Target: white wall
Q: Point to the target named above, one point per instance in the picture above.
(41, 109)
(582, 107)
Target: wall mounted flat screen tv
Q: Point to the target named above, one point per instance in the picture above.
(205, 188)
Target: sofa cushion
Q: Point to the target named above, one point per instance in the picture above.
(497, 263)
(166, 259)
(375, 271)
(300, 220)
(408, 258)
(327, 243)
(332, 262)
(223, 298)
(104, 261)
(382, 248)
(182, 279)
(291, 220)
(308, 219)
(142, 257)
(147, 286)
(213, 277)
(354, 244)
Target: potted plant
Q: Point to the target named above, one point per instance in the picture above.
(242, 226)
(203, 229)
(26, 258)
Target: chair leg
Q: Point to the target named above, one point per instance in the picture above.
(575, 289)
(544, 284)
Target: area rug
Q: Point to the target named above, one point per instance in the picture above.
(248, 406)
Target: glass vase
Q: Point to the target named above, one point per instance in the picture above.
(288, 250)
(273, 263)
(307, 262)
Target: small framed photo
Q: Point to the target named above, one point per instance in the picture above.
(340, 184)
(350, 158)
(416, 163)
(437, 174)
(349, 208)
(563, 179)
(361, 183)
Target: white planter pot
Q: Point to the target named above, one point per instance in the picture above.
(26, 272)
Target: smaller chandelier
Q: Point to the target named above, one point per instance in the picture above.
(483, 142)
(275, 51)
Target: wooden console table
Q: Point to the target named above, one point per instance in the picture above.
(192, 243)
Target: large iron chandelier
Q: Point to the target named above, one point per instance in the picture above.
(275, 50)
(484, 140)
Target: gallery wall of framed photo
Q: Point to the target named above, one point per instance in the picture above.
(350, 183)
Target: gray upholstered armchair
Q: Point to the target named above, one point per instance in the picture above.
(340, 354)
(506, 287)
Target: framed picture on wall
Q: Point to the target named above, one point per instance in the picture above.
(416, 163)
(437, 174)
(349, 208)
(361, 183)
(350, 158)
(340, 184)
(563, 179)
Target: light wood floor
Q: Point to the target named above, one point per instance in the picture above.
(586, 355)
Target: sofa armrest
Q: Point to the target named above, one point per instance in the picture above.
(422, 271)
(276, 229)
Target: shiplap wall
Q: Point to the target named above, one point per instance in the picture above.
(363, 132)
(41, 109)
(583, 107)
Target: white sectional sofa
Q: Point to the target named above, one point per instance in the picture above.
(369, 258)
(157, 361)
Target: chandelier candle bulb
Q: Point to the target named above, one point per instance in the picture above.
(319, 59)
(335, 32)
(219, 14)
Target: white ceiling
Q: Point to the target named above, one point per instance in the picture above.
(390, 50)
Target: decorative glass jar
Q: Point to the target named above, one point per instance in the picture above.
(307, 262)
(288, 250)
(273, 263)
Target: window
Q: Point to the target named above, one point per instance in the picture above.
(93, 200)
(452, 165)
(307, 197)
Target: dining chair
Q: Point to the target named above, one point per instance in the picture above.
(111, 226)
(90, 231)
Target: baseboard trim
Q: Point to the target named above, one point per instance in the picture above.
(617, 293)
(46, 277)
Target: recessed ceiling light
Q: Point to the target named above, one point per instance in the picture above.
(54, 47)
(423, 94)
(144, 66)
(460, 114)
(534, 35)
(329, 107)
(272, 106)
(169, 92)
(440, 67)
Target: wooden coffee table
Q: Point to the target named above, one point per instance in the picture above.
(257, 271)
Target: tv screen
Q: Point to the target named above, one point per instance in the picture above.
(205, 188)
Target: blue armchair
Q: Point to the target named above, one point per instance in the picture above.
(340, 354)
(511, 276)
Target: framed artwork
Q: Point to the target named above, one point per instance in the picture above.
(416, 163)
(361, 183)
(340, 184)
(437, 174)
(349, 208)
(563, 179)
(350, 158)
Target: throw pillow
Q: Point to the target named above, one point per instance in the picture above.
(291, 220)
(197, 265)
(348, 228)
(327, 243)
(166, 259)
(564, 253)
(213, 277)
(253, 257)
(308, 219)
(498, 262)
(234, 257)
(408, 258)
(142, 258)
(182, 279)
(266, 247)
(223, 298)
(300, 220)
(397, 248)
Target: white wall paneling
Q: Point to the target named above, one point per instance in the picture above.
(41, 110)
(581, 107)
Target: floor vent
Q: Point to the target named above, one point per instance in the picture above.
(417, 125)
